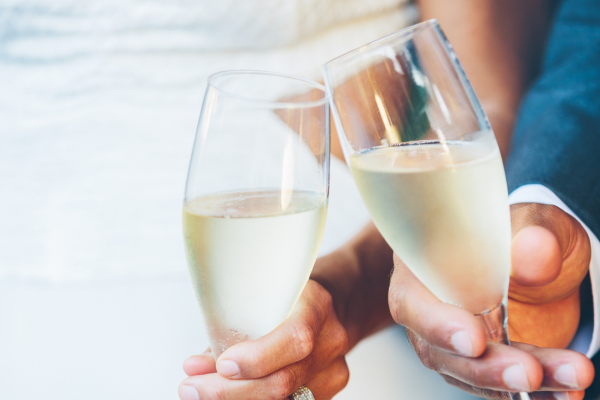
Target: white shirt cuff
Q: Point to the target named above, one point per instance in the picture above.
(586, 339)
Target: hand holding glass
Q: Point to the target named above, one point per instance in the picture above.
(428, 167)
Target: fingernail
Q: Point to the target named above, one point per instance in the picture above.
(228, 368)
(461, 341)
(561, 395)
(515, 378)
(187, 392)
(565, 374)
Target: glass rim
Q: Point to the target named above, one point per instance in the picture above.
(376, 43)
(275, 104)
(372, 47)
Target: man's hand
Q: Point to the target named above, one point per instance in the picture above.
(550, 258)
(308, 348)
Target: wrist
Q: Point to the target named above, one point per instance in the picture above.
(358, 278)
(336, 273)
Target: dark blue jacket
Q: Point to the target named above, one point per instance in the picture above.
(557, 135)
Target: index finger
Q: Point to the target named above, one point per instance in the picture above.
(442, 325)
(289, 343)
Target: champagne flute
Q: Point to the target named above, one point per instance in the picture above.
(255, 200)
(428, 168)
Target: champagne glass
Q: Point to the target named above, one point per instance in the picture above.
(428, 168)
(255, 200)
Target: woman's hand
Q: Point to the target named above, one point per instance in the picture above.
(307, 348)
(550, 258)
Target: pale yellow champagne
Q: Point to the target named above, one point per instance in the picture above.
(250, 255)
(443, 208)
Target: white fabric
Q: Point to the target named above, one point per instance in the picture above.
(96, 137)
(587, 339)
(54, 29)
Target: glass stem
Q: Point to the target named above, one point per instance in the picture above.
(495, 322)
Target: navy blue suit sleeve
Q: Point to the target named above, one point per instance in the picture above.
(557, 134)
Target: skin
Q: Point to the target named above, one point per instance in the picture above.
(543, 308)
(351, 295)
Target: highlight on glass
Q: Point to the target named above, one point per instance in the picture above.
(256, 200)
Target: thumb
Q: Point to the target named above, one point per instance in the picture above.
(536, 256)
(550, 253)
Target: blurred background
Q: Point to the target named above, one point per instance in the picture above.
(99, 102)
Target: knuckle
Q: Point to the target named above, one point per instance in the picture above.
(304, 340)
(283, 383)
(340, 339)
(394, 304)
(454, 382)
(326, 300)
(217, 392)
(422, 349)
(342, 376)
(476, 376)
(258, 364)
